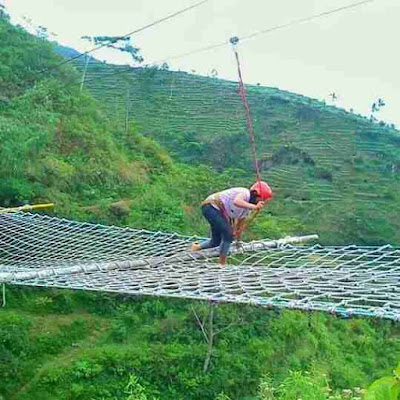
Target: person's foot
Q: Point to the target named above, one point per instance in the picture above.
(195, 247)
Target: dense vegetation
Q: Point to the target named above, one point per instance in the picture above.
(60, 145)
(65, 345)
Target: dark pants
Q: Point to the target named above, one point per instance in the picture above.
(221, 230)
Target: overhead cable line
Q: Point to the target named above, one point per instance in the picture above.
(272, 29)
(130, 33)
(248, 37)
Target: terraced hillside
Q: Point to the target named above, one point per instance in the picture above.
(335, 171)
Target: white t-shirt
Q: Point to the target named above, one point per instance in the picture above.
(227, 197)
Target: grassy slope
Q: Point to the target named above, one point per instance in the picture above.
(333, 172)
(58, 145)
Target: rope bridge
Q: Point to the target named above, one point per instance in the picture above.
(39, 250)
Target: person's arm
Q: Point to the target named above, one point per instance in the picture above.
(241, 203)
(241, 223)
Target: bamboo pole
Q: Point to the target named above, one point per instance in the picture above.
(27, 207)
(150, 262)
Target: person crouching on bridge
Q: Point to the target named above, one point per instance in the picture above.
(226, 212)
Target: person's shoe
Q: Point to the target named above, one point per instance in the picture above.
(195, 247)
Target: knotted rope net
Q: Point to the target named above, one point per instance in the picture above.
(39, 250)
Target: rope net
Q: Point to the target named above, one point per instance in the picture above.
(45, 251)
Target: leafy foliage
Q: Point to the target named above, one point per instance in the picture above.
(121, 43)
(96, 343)
(387, 388)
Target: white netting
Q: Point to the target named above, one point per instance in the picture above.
(42, 251)
(33, 241)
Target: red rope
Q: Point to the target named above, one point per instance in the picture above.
(242, 92)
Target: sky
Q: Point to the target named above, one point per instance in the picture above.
(352, 53)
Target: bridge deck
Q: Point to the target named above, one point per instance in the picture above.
(38, 250)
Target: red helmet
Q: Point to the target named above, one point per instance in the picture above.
(263, 190)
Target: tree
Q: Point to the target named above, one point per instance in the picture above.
(121, 43)
(2, 11)
(42, 33)
(214, 73)
(164, 66)
(377, 105)
(207, 327)
(381, 103)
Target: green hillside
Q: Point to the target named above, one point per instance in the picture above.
(60, 145)
(335, 173)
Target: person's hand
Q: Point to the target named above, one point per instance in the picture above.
(260, 205)
(239, 245)
(237, 234)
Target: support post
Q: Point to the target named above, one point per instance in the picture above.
(84, 72)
